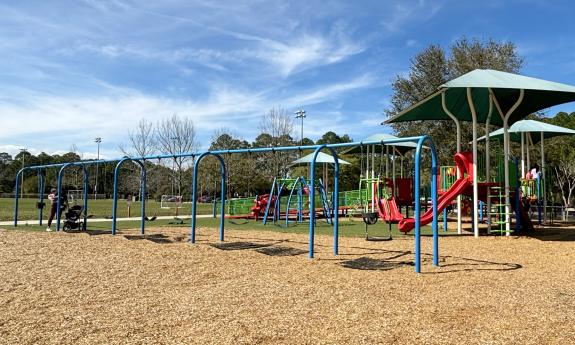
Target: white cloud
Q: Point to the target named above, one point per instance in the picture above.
(52, 123)
(328, 92)
(306, 51)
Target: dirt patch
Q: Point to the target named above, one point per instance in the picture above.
(73, 288)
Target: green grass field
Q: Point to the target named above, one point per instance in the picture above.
(98, 208)
(347, 228)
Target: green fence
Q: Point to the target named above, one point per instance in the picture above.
(351, 198)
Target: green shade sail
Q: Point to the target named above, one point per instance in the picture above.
(321, 158)
(539, 94)
(531, 126)
(401, 147)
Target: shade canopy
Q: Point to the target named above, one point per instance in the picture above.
(321, 158)
(531, 126)
(539, 94)
(401, 147)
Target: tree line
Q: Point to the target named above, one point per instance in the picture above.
(247, 174)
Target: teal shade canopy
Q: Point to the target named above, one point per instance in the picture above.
(531, 126)
(321, 158)
(379, 149)
(539, 94)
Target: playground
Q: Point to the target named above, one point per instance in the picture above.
(387, 239)
(259, 287)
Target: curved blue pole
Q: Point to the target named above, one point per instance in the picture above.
(417, 215)
(312, 202)
(143, 182)
(272, 191)
(297, 184)
(59, 193)
(41, 182)
(142, 193)
(85, 196)
(222, 194)
(17, 195)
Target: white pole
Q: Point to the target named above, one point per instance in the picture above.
(505, 119)
(386, 161)
(373, 162)
(401, 168)
(488, 162)
(529, 143)
(459, 172)
(475, 190)
(522, 154)
(393, 169)
(543, 179)
(367, 162)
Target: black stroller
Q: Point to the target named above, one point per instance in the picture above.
(73, 218)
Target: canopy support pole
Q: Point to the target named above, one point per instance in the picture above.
(386, 161)
(488, 161)
(505, 119)
(459, 172)
(475, 190)
(529, 143)
(522, 134)
(395, 153)
(543, 179)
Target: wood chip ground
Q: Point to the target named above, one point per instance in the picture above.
(260, 288)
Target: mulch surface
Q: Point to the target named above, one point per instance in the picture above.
(260, 288)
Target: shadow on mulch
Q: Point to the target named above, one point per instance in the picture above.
(156, 238)
(239, 245)
(281, 251)
(93, 232)
(369, 264)
(473, 265)
(554, 234)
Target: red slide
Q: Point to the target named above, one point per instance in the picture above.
(463, 162)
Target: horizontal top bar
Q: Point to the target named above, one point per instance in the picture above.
(389, 142)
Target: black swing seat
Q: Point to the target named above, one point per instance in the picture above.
(369, 218)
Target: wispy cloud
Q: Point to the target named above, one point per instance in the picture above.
(307, 51)
(330, 92)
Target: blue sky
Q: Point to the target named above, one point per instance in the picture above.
(75, 70)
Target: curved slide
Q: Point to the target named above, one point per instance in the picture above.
(407, 224)
(389, 211)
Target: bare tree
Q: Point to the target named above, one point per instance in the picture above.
(142, 140)
(176, 135)
(565, 172)
(276, 130)
(278, 123)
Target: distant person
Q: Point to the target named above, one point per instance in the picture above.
(53, 197)
(53, 206)
(535, 171)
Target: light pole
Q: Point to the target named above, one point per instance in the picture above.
(97, 140)
(22, 151)
(300, 114)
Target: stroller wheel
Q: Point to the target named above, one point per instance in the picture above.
(67, 227)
